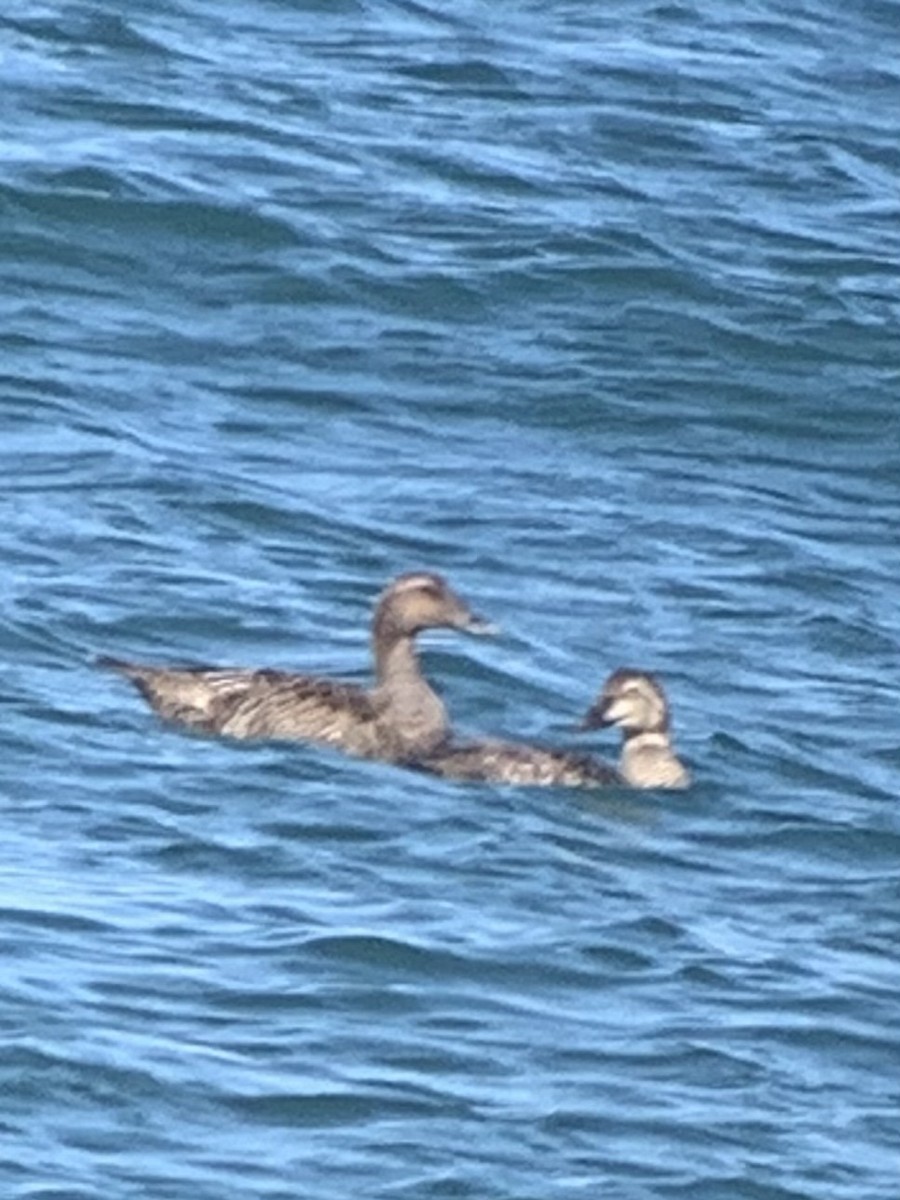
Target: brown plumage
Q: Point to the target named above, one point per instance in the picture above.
(401, 717)
(633, 700)
(493, 761)
(636, 702)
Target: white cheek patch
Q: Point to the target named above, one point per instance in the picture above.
(618, 711)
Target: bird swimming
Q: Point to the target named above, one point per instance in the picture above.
(398, 719)
(630, 699)
(636, 703)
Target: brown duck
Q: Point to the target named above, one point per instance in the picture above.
(400, 718)
(633, 700)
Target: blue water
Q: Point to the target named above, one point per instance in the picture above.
(594, 308)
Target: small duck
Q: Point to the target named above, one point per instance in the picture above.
(636, 702)
(399, 719)
(633, 700)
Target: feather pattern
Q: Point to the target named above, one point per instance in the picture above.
(518, 763)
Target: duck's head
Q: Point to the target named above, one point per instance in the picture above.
(423, 600)
(633, 700)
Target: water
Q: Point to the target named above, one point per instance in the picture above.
(595, 309)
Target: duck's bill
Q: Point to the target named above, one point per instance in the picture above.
(480, 627)
(597, 716)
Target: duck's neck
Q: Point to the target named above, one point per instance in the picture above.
(648, 760)
(396, 659)
(640, 739)
(415, 712)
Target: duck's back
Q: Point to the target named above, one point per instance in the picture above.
(254, 703)
(281, 704)
(515, 763)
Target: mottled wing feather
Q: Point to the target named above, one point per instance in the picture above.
(509, 762)
(256, 703)
(279, 704)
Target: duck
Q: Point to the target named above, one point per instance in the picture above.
(400, 718)
(633, 700)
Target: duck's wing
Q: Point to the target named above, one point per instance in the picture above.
(254, 703)
(517, 763)
(279, 704)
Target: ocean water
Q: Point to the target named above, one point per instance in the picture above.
(595, 309)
